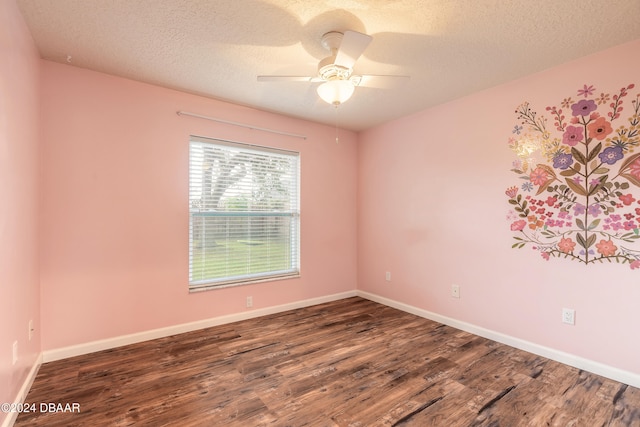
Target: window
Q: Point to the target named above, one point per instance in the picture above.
(244, 213)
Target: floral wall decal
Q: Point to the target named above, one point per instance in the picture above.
(581, 199)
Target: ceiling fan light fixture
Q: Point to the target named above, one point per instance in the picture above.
(327, 70)
(336, 92)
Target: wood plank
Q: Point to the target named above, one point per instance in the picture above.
(351, 363)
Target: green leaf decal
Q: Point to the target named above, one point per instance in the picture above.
(578, 189)
(601, 170)
(544, 186)
(593, 224)
(578, 156)
(628, 161)
(548, 169)
(581, 241)
(632, 179)
(596, 150)
(578, 184)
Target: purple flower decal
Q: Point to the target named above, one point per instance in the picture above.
(573, 135)
(610, 155)
(594, 210)
(562, 161)
(584, 107)
(578, 201)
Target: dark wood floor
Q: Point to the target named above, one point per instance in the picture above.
(347, 363)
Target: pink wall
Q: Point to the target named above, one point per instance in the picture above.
(421, 197)
(114, 217)
(432, 211)
(19, 290)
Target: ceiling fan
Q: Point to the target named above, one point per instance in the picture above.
(335, 72)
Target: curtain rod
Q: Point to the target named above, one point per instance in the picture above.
(295, 135)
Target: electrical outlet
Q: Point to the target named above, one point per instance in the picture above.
(455, 291)
(249, 302)
(15, 352)
(387, 276)
(569, 316)
(30, 329)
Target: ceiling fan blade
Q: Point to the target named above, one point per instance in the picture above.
(352, 46)
(381, 82)
(287, 79)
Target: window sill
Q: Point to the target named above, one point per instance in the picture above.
(213, 286)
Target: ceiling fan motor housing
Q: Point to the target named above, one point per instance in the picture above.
(327, 68)
(331, 41)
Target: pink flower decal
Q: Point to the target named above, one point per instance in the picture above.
(511, 192)
(539, 176)
(518, 225)
(581, 186)
(627, 199)
(573, 135)
(586, 91)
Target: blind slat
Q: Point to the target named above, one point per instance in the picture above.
(244, 213)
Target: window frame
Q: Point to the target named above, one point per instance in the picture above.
(292, 214)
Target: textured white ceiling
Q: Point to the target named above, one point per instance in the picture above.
(217, 48)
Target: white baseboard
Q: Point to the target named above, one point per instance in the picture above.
(90, 347)
(24, 390)
(607, 371)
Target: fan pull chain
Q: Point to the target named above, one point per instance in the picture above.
(336, 122)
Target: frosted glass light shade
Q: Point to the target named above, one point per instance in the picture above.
(336, 92)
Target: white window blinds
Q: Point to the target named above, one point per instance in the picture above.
(244, 213)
